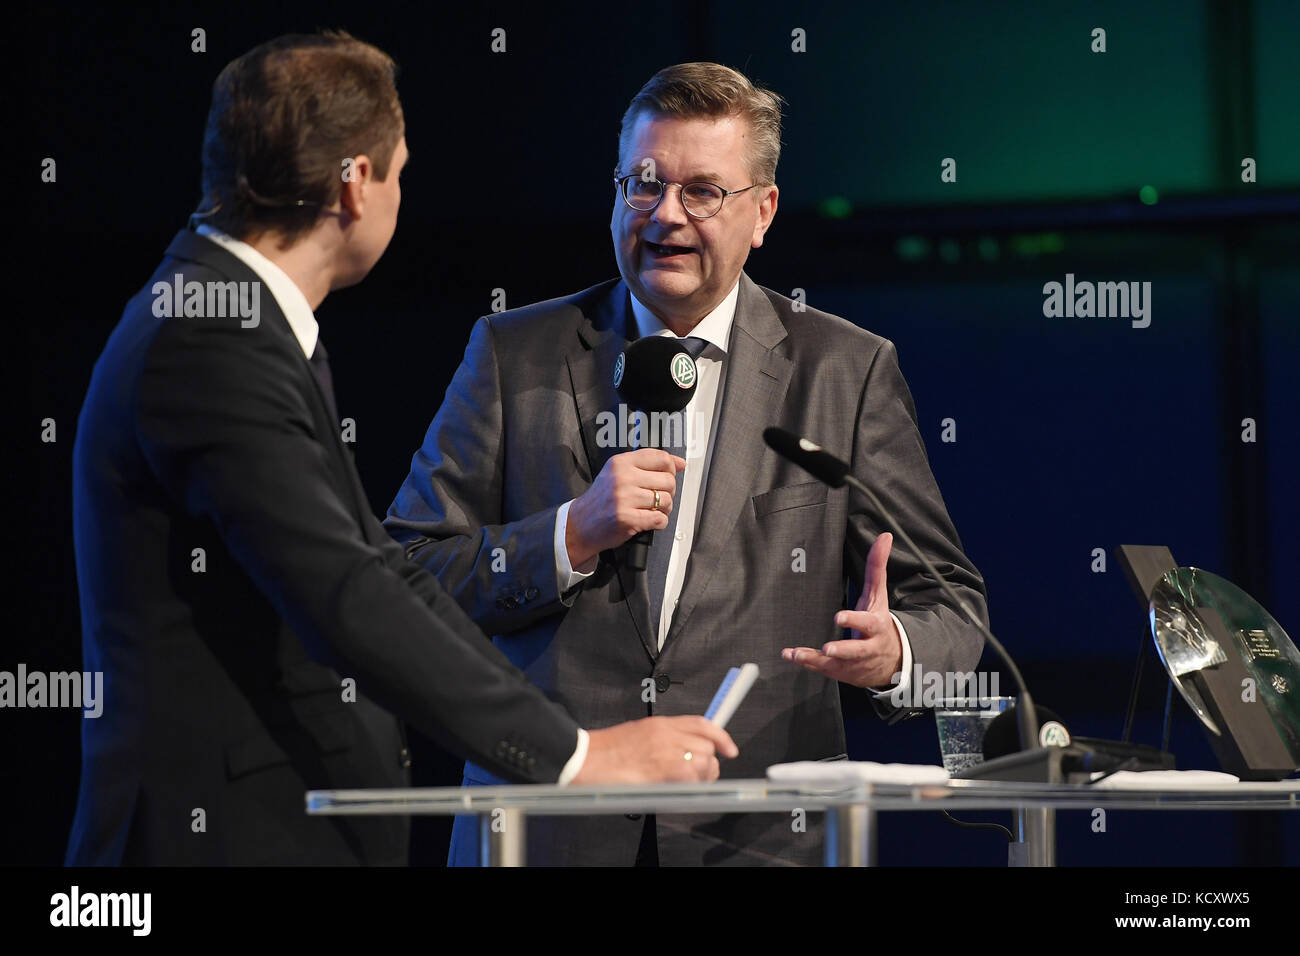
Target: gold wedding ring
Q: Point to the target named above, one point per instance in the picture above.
(655, 507)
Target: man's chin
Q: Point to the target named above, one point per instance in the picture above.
(669, 286)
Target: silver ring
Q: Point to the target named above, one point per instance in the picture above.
(655, 506)
(688, 756)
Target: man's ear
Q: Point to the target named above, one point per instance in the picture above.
(766, 213)
(357, 171)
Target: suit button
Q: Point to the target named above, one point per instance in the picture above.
(632, 816)
(405, 758)
(661, 683)
(531, 594)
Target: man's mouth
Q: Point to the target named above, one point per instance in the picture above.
(666, 251)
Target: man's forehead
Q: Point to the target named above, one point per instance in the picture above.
(704, 147)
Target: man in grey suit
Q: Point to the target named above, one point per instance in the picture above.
(523, 498)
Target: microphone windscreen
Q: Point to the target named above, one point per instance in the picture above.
(655, 374)
(807, 455)
(1002, 736)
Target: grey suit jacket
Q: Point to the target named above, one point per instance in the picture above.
(516, 437)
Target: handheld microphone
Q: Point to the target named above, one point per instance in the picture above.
(826, 467)
(654, 375)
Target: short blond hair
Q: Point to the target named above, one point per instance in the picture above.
(711, 90)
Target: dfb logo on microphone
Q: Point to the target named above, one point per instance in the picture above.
(683, 370)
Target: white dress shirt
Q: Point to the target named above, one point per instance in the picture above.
(701, 429)
(302, 322)
(294, 305)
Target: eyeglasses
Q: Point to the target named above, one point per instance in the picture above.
(700, 200)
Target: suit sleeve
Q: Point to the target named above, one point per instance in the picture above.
(224, 420)
(889, 456)
(448, 512)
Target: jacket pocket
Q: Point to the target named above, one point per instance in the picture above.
(803, 495)
(308, 677)
(321, 734)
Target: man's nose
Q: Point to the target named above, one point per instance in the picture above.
(670, 209)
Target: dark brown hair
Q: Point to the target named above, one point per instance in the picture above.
(284, 117)
(712, 91)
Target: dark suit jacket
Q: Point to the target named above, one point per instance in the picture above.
(223, 686)
(516, 437)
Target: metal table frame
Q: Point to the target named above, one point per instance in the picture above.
(850, 807)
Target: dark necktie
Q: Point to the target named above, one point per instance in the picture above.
(661, 549)
(320, 366)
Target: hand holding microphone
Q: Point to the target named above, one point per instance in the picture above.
(632, 496)
(633, 493)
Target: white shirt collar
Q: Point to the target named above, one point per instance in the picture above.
(294, 305)
(714, 328)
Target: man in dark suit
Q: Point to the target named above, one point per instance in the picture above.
(256, 627)
(522, 498)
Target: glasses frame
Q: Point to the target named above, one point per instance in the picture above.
(622, 181)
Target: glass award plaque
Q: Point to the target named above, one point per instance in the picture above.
(1227, 656)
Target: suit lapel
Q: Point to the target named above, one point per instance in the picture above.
(755, 387)
(602, 334)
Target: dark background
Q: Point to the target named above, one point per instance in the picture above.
(1072, 434)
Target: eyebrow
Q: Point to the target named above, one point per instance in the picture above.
(704, 177)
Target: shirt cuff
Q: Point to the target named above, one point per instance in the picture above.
(565, 577)
(576, 761)
(905, 675)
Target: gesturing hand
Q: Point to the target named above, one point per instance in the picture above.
(874, 654)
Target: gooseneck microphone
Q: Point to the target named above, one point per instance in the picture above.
(656, 376)
(834, 472)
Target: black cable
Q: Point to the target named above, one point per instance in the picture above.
(1130, 713)
(1123, 766)
(967, 825)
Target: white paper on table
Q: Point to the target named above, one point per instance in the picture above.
(822, 771)
(1166, 780)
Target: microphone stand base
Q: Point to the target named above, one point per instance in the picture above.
(1040, 765)
(1074, 763)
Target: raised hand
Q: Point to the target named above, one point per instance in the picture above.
(874, 654)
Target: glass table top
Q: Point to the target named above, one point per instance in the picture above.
(742, 796)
